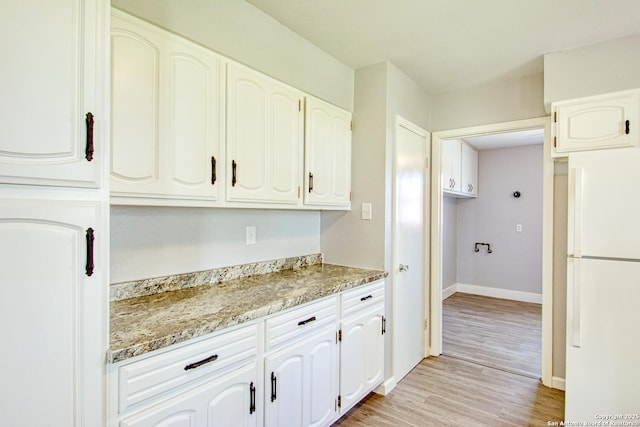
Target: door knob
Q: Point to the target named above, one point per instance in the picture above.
(404, 267)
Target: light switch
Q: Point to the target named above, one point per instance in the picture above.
(251, 235)
(366, 211)
(519, 228)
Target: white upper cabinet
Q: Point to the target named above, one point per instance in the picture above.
(327, 155)
(166, 121)
(469, 170)
(451, 165)
(264, 138)
(51, 93)
(597, 122)
(459, 169)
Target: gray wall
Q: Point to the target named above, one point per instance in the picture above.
(516, 261)
(449, 241)
(600, 68)
(495, 102)
(153, 241)
(381, 92)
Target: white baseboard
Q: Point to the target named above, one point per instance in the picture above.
(386, 387)
(497, 293)
(557, 382)
(447, 292)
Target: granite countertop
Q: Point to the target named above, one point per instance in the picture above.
(151, 322)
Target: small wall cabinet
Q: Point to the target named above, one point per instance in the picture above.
(166, 130)
(597, 122)
(327, 154)
(459, 169)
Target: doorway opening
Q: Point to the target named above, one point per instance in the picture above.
(506, 265)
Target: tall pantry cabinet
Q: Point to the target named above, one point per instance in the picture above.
(53, 212)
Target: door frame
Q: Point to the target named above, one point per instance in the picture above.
(547, 232)
(402, 122)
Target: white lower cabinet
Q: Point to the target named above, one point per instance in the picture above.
(362, 343)
(302, 382)
(303, 367)
(225, 401)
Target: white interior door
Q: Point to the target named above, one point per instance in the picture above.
(409, 261)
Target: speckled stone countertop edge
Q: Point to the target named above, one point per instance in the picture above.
(210, 325)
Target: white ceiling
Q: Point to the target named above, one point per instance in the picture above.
(446, 45)
(505, 140)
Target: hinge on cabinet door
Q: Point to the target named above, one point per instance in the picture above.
(555, 117)
(350, 196)
(351, 126)
(339, 401)
(384, 325)
(426, 323)
(340, 335)
(298, 191)
(555, 142)
(299, 104)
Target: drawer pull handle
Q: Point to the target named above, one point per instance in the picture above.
(200, 363)
(273, 386)
(309, 320)
(366, 298)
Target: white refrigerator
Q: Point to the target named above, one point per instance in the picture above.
(603, 287)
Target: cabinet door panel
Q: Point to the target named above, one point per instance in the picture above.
(46, 92)
(597, 122)
(248, 130)
(327, 155)
(469, 173)
(135, 152)
(264, 128)
(56, 305)
(286, 140)
(451, 165)
(230, 406)
(194, 129)
(361, 356)
(286, 395)
(324, 373)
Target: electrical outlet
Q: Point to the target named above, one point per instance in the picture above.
(518, 228)
(251, 235)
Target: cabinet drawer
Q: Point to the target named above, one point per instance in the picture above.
(300, 321)
(361, 298)
(147, 378)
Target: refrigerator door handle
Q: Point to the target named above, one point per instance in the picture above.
(575, 212)
(576, 327)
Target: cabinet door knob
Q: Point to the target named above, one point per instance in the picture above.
(404, 267)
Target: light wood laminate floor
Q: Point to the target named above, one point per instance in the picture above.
(490, 377)
(494, 332)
